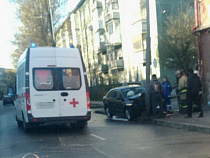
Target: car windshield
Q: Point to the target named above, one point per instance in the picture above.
(131, 91)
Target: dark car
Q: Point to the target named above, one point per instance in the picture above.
(8, 100)
(126, 101)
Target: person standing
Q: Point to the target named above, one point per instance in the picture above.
(178, 76)
(193, 88)
(182, 87)
(156, 92)
(167, 93)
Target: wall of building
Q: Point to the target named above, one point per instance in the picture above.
(64, 35)
(205, 60)
(204, 40)
(204, 12)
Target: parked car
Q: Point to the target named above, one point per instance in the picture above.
(7, 99)
(126, 101)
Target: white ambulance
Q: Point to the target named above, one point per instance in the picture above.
(51, 86)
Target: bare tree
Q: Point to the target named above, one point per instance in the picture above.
(34, 16)
(177, 44)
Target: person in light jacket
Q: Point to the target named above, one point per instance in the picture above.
(167, 94)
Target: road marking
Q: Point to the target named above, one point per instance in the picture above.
(102, 153)
(31, 156)
(101, 138)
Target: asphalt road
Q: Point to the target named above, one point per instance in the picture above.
(102, 138)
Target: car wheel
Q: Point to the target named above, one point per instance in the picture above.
(19, 123)
(128, 115)
(109, 115)
(79, 125)
(26, 126)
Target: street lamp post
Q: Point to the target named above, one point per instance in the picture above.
(51, 24)
(148, 58)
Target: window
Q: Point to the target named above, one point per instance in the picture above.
(140, 42)
(71, 78)
(144, 41)
(115, 6)
(128, 92)
(112, 94)
(110, 28)
(143, 10)
(56, 79)
(43, 79)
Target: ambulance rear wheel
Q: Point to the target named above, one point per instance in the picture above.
(19, 123)
(26, 126)
(79, 125)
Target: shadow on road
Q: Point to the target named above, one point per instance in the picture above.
(52, 129)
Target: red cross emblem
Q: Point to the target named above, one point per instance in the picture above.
(74, 103)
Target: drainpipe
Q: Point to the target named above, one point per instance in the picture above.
(197, 36)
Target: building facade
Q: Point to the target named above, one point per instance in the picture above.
(63, 34)
(112, 37)
(202, 33)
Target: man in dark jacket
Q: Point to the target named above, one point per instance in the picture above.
(156, 93)
(193, 88)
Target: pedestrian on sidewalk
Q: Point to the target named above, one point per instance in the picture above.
(178, 76)
(193, 88)
(182, 87)
(156, 93)
(167, 94)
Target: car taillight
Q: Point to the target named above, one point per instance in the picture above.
(88, 99)
(28, 101)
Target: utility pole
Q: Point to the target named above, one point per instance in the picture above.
(148, 58)
(51, 24)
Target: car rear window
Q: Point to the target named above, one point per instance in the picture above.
(46, 79)
(71, 78)
(43, 79)
(134, 90)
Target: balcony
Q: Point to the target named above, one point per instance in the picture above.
(144, 27)
(115, 40)
(112, 15)
(102, 48)
(98, 26)
(103, 68)
(96, 5)
(117, 64)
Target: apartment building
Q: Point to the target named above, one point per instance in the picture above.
(202, 33)
(63, 34)
(112, 37)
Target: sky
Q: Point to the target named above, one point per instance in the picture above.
(8, 27)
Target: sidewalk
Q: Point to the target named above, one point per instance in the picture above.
(190, 124)
(175, 121)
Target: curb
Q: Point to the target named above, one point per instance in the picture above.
(184, 126)
(176, 125)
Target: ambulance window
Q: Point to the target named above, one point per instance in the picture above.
(43, 79)
(71, 78)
